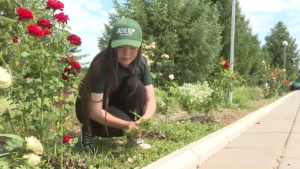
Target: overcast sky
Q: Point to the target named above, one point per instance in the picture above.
(87, 19)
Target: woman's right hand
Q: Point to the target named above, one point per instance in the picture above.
(132, 125)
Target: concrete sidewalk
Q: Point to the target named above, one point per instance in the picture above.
(272, 143)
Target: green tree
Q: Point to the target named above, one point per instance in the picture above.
(247, 50)
(274, 45)
(187, 30)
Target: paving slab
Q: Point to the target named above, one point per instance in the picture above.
(264, 137)
(255, 144)
(289, 163)
(296, 127)
(292, 153)
(241, 160)
(293, 142)
(281, 115)
(249, 151)
(215, 166)
(270, 128)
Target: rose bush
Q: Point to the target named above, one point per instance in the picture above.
(222, 80)
(43, 71)
(273, 80)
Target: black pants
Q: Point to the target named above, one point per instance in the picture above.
(130, 97)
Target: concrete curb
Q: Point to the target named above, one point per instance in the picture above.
(193, 155)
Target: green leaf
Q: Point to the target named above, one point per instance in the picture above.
(4, 154)
(19, 140)
(68, 107)
(38, 80)
(55, 111)
(28, 80)
(11, 145)
(73, 141)
(1, 127)
(25, 54)
(61, 84)
(47, 54)
(31, 91)
(4, 161)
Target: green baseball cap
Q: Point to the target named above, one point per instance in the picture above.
(126, 32)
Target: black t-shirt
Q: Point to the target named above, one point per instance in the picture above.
(123, 74)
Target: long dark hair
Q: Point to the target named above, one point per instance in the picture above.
(107, 57)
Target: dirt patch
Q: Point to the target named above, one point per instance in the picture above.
(228, 116)
(224, 116)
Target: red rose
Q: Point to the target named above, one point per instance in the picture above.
(275, 75)
(67, 138)
(74, 39)
(46, 32)
(68, 71)
(285, 81)
(61, 17)
(67, 60)
(35, 31)
(24, 14)
(75, 65)
(44, 23)
(26, 76)
(54, 4)
(16, 39)
(226, 64)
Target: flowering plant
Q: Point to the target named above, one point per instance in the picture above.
(192, 96)
(21, 152)
(273, 80)
(222, 80)
(161, 66)
(43, 71)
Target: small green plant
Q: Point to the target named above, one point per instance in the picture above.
(144, 126)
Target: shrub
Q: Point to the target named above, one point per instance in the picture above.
(192, 96)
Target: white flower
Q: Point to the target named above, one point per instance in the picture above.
(152, 45)
(5, 79)
(32, 159)
(149, 62)
(33, 144)
(171, 76)
(263, 62)
(283, 70)
(165, 56)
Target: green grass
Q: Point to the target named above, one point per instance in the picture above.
(243, 96)
(176, 137)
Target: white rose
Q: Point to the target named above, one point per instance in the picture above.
(33, 144)
(5, 79)
(263, 62)
(165, 56)
(32, 159)
(152, 45)
(171, 76)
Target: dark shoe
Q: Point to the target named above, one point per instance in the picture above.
(86, 138)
